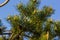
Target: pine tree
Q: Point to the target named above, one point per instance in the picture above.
(2, 30)
(33, 23)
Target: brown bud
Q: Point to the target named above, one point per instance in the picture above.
(34, 0)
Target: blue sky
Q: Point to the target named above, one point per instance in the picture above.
(10, 9)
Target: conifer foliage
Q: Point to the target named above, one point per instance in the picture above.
(33, 23)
